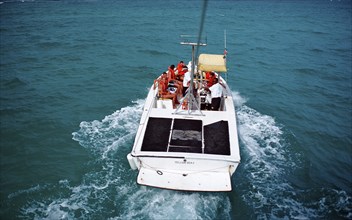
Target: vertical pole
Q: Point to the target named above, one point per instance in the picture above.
(225, 52)
(225, 38)
(189, 96)
(190, 90)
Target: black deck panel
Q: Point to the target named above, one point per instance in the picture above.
(216, 138)
(157, 134)
(186, 124)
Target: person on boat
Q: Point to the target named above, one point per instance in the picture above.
(186, 82)
(209, 77)
(180, 66)
(175, 86)
(159, 80)
(171, 72)
(181, 74)
(216, 93)
(163, 91)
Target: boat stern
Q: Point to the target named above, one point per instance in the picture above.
(214, 181)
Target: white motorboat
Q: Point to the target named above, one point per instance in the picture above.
(184, 145)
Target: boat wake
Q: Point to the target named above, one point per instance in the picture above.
(269, 163)
(109, 189)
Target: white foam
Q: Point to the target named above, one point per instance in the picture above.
(238, 99)
(164, 204)
(60, 208)
(25, 191)
(104, 136)
(268, 159)
(110, 188)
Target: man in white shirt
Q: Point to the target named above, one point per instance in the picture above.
(186, 81)
(216, 93)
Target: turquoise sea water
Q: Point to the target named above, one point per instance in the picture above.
(74, 76)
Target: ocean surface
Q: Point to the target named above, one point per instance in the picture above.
(74, 76)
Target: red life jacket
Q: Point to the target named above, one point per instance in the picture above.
(171, 74)
(179, 67)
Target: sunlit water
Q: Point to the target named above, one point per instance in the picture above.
(74, 77)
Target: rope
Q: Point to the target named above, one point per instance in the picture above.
(204, 10)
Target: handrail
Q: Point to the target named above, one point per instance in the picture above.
(147, 116)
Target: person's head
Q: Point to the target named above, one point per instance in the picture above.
(181, 61)
(172, 66)
(163, 75)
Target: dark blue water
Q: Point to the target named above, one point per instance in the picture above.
(74, 76)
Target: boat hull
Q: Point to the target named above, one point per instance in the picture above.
(186, 174)
(189, 149)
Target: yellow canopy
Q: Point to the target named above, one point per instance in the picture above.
(212, 62)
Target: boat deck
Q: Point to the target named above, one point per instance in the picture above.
(186, 135)
(187, 140)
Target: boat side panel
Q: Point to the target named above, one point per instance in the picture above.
(184, 164)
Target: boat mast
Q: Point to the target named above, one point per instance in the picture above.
(225, 39)
(189, 97)
(225, 51)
